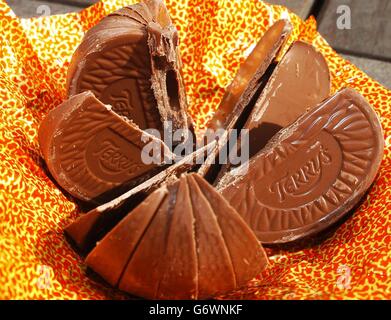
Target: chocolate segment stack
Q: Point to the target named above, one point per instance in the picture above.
(238, 99)
(251, 76)
(129, 61)
(300, 81)
(183, 242)
(91, 227)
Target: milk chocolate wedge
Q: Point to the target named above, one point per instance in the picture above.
(300, 81)
(251, 77)
(89, 228)
(312, 173)
(131, 61)
(91, 151)
(184, 242)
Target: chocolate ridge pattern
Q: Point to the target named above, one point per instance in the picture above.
(351, 122)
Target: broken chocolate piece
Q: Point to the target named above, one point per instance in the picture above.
(312, 173)
(248, 79)
(93, 153)
(89, 228)
(183, 242)
(244, 88)
(300, 81)
(131, 61)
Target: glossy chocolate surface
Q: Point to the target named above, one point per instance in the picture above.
(183, 242)
(312, 173)
(300, 81)
(90, 150)
(131, 61)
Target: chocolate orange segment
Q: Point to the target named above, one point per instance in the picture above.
(184, 247)
(240, 240)
(90, 150)
(249, 77)
(214, 261)
(131, 61)
(312, 173)
(300, 81)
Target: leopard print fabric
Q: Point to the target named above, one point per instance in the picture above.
(36, 262)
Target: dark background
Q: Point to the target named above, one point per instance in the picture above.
(367, 44)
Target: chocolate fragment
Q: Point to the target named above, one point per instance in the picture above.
(183, 242)
(93, 153)
(312, 173)
(251, 77)
(300, 81)
(131, 61)
(89, 228)
(248, 79)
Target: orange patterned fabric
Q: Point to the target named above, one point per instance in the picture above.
(35, 260)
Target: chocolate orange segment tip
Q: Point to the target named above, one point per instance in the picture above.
(178, 245)
(131, 61)
(90, 150)
(123, 240)
(89, 228)
(312, 173)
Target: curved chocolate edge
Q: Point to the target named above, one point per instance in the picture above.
(183, 242)
(94, 153)
(319, 168)
(137, 60)
(300, 81)
(245, 86)
(85, 231)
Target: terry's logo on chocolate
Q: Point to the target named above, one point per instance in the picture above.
(111, 158)
(305, 178)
